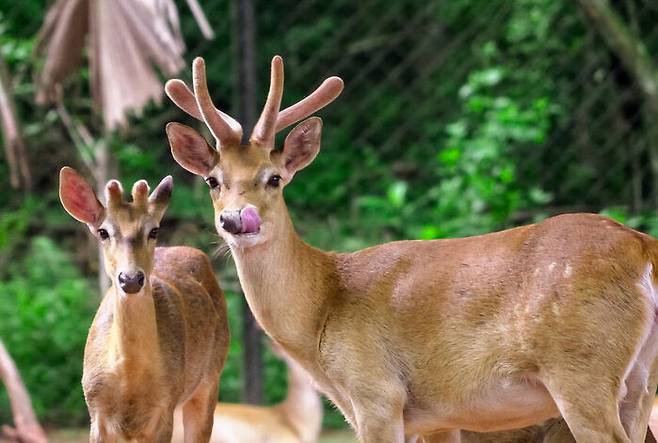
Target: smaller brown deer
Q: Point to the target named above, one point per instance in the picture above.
(297, 419)
(160, 337)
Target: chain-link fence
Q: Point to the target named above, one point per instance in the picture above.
(409, 67)
(415, 71)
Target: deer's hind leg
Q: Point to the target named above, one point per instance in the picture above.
(585, 368)
(590, 406)
(586, 390)
(641, 382)
(198, 412)
(159, 429)
(587, 381)
(642, 375)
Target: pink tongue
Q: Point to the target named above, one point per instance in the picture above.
(250, 220)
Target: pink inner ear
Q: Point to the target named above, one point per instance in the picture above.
(196, 155)
(190, 149)
(298, 159)
(79, 200)
(302, 144)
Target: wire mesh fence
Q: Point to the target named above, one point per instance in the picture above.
(426, 77)
(409, 67)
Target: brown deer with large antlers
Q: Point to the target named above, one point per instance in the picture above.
(160, 336)
(409, 338)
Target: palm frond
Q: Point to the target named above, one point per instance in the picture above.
(14, 146)
(127, 41)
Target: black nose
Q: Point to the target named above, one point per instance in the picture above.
(131, 284)
(230, 222)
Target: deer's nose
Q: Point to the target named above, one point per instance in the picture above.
(230, 222)
(131, 284)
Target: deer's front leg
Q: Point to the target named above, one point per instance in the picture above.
(198, 413)
(157, 428)
(98, 431)
(381, 427)
(163, 429)
(378, 411)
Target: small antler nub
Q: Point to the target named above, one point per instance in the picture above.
(113, 193)
(140, 193)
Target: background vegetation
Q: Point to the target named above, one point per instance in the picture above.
(458, 118)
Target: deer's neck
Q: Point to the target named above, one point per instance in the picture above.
(302, 407)
(134, 343)
(287, 284)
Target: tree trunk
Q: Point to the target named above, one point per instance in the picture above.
(244, 22)
(26, 427)
(634, 55)
(15, 151)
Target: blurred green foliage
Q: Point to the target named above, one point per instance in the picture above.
(46, 311)
(455, 172)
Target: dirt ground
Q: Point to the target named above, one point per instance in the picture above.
(338, 437)
(80, 436)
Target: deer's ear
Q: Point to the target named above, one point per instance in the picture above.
(301, 146)
(78, 198)
(190, 149)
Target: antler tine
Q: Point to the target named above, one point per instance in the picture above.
(264, 130)
(219, 125)
(183, 97)
(318, 99)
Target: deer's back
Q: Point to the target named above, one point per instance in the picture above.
(480, 280)
(189, 271)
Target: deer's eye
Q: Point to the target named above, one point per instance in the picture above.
(274, 181)
(103, 234)
(212, 182)
(153, 234)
